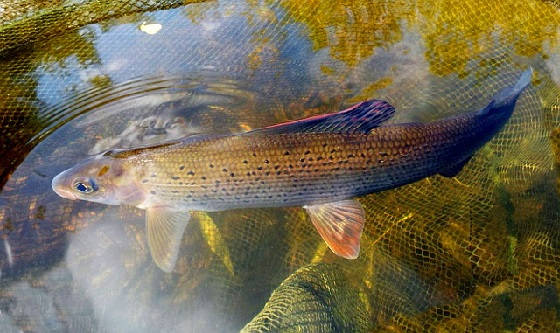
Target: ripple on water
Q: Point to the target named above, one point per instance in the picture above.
(138, 112)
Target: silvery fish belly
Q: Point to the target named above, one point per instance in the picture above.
(320, 163)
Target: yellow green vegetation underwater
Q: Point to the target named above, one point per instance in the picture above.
(448, 242)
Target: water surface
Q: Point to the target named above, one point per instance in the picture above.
(477, 252)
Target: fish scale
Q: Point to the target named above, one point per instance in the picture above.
(263, 170)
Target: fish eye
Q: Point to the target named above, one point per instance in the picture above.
(85, 186)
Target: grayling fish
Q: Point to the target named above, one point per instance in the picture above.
(320, 163)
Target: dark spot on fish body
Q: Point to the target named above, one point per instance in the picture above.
(245, 161)
(190, 173)
(232, 174)
(182, 167)
(153, 192)
(286, 153)
(211, 165)
(266, 161)
(203, 177)
(224, 170)
(259, 168)
(144, 181)
(174, 177)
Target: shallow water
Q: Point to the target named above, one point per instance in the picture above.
(479, 252)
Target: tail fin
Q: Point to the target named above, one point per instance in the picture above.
(508, 96)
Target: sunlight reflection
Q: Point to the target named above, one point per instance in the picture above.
(128, 292)
(150, 28)
(8, 250)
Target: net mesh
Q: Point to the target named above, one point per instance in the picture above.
(477, 252)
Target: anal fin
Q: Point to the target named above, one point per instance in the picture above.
(165, 230)
(340, 224)
(454, 169)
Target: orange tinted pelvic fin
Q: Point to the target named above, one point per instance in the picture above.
(360, 118)
(340, 224)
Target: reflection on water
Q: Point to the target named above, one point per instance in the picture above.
(475, 252)
(131, 297)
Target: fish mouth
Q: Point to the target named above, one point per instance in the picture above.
(59, 187)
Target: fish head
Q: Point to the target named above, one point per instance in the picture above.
(103, 179)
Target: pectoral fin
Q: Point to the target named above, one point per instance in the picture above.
(340, 224)
(164, 232)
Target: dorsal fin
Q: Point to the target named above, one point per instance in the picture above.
(360, 118)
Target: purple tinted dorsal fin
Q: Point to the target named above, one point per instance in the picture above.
(360, 118)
